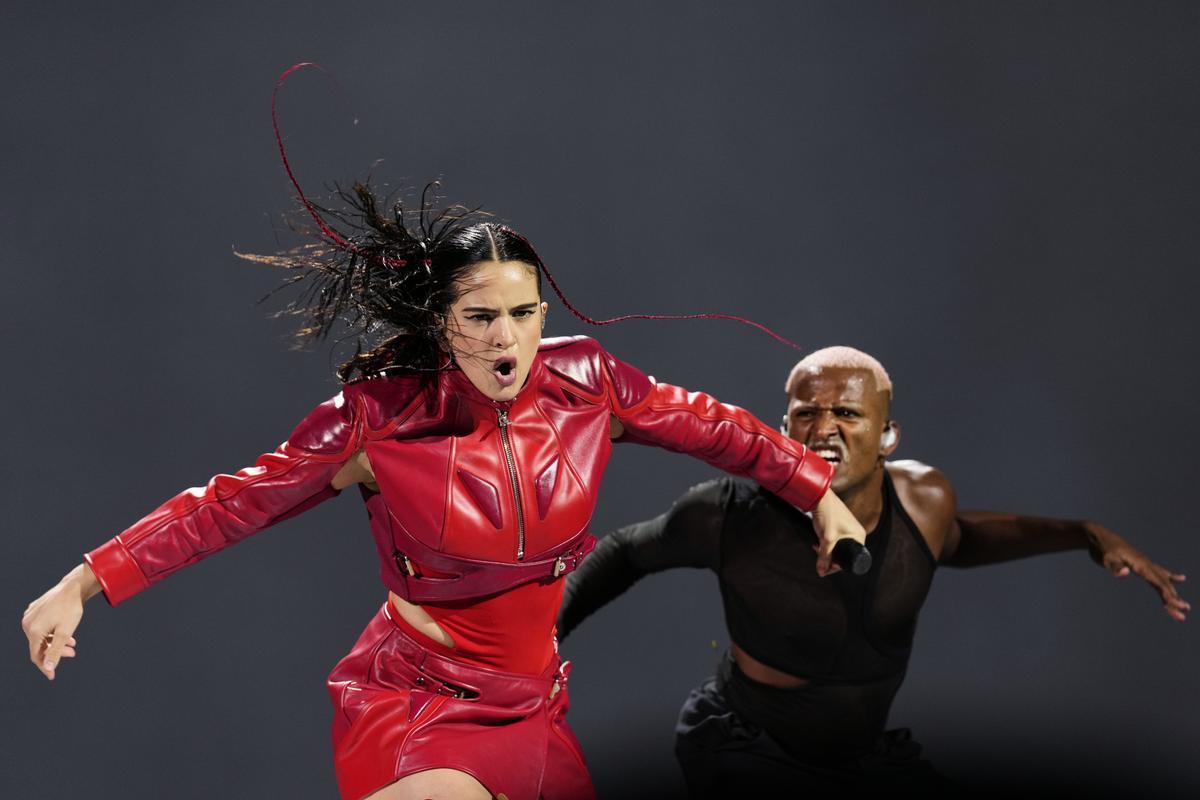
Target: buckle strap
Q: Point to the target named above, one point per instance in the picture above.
(570, 560)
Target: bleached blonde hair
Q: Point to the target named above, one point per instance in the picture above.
(840, 357)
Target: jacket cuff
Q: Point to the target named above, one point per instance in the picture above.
(119, 575)
(808, 483)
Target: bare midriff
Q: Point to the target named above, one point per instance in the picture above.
(755, 670)
(420, 620)
(511, 631)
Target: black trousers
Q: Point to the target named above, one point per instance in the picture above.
(725, 756)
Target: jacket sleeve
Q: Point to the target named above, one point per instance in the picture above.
(727, 437)
(204, 520)
(687, 535)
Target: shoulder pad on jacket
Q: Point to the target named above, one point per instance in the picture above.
(381, 400)
(579, 359)
(328, 429)
(584, 362)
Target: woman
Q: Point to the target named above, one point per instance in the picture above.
(478, 449)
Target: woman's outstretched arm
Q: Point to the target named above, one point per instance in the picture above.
(197, 523)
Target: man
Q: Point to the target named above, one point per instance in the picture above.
(803, 695)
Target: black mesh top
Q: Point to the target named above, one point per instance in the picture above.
(849, 635)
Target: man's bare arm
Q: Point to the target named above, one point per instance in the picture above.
(990, 537)
(974, 538)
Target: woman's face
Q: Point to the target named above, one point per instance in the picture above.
(495, 326)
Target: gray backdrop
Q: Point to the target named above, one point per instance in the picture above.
(998, 200)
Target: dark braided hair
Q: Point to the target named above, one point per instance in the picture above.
(392, 277)
(394, 285)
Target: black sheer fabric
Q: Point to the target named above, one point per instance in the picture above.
(850, 636)
(688, 535)
(843, 628)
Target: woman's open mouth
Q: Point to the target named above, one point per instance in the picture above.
(505, 370)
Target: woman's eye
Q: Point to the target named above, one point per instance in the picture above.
(480, 318)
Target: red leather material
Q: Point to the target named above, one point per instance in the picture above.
(486, 496)
(507, 631)
(458, 454)
(808, 483)
(629, 385)
(328, 429)
(202, 521)
(116, 570)
(545, 487)
(401, 708)
(730, 439)
(561, 356)
(484, 505)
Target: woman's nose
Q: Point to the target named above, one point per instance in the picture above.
(502, 335)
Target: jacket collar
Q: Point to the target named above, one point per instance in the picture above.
(458, 383)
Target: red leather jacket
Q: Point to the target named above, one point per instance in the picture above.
(475, 496)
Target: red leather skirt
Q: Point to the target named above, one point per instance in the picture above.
(401, 708)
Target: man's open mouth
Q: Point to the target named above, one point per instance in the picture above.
(830, 454)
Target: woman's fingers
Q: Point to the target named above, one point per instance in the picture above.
(49, 623)
(58, 643)
(37, 636)
(831, 569)
(37, 646)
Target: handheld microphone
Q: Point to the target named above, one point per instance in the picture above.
(852, 556)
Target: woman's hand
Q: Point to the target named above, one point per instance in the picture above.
(834, 521)
(50, 621)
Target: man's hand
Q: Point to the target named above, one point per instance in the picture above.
(834, 521)
(1121, 558)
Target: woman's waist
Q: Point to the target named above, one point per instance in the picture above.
(512, 631)
(389, 657)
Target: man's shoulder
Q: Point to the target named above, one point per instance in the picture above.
(743, 497)
(718, 491)
(921, 487)
(724, 493)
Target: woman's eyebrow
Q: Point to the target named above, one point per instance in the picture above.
(489, 310)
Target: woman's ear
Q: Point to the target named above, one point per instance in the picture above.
(545, 311)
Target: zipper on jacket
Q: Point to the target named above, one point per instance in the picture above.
(512, 477)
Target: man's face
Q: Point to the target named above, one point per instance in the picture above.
(840, 414)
